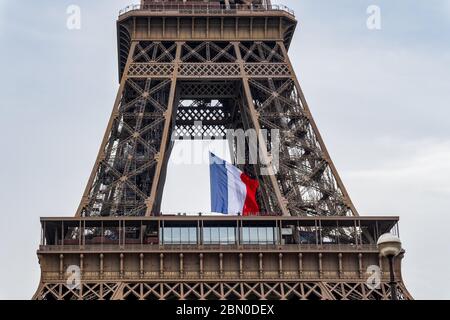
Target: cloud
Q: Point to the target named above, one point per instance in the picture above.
(2, 15)
(426, 163)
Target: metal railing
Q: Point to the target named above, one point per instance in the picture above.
(215, 274)
(204, 8)
(208, 248)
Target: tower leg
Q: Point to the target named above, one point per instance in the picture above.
(270, 178)
(156, 192)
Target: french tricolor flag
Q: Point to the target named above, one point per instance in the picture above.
(232, 191)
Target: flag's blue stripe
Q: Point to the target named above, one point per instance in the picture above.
(219, 185)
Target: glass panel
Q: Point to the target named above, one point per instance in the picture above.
(184, 235)
(245, 235)
(231, 235)
(192, 235)
(176, 235)
(223, 235)
(206, 235)
(215, 235)
(259, 235)
(253, 235)
(270, 237)
(167, 232)
(262, 236)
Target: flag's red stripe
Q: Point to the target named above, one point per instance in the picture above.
(250, 205)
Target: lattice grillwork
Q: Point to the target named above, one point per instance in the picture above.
(225, 70)
(217, 90)
(151, 70)
(155, 52)
(211, 115)
(187, 132)
(217, 52)
(206, 119)
(284, 290)
(261, 52)
(266, 69)
(305, 177)
(124, 176)
(128, 164)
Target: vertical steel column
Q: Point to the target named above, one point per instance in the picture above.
(254, 118)
(101, 152)
(324, 149)
(169, 114)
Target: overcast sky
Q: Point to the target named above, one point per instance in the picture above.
(380, 98)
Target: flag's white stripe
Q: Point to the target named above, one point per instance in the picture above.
(237, 190)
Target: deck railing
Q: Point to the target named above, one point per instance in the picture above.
(208, 248)
(289, 274)
(206, 8)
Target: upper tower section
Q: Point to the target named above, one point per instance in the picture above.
(196, 20)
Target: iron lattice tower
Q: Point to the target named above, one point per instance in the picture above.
(224, 64)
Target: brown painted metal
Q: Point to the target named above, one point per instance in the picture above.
(228, 67)
(101, 152)
(319, 136)
(165, 141)
(252, 271)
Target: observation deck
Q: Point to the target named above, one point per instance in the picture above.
(213, 247)
(203, 8)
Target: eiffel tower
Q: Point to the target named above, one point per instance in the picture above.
(224, 64)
